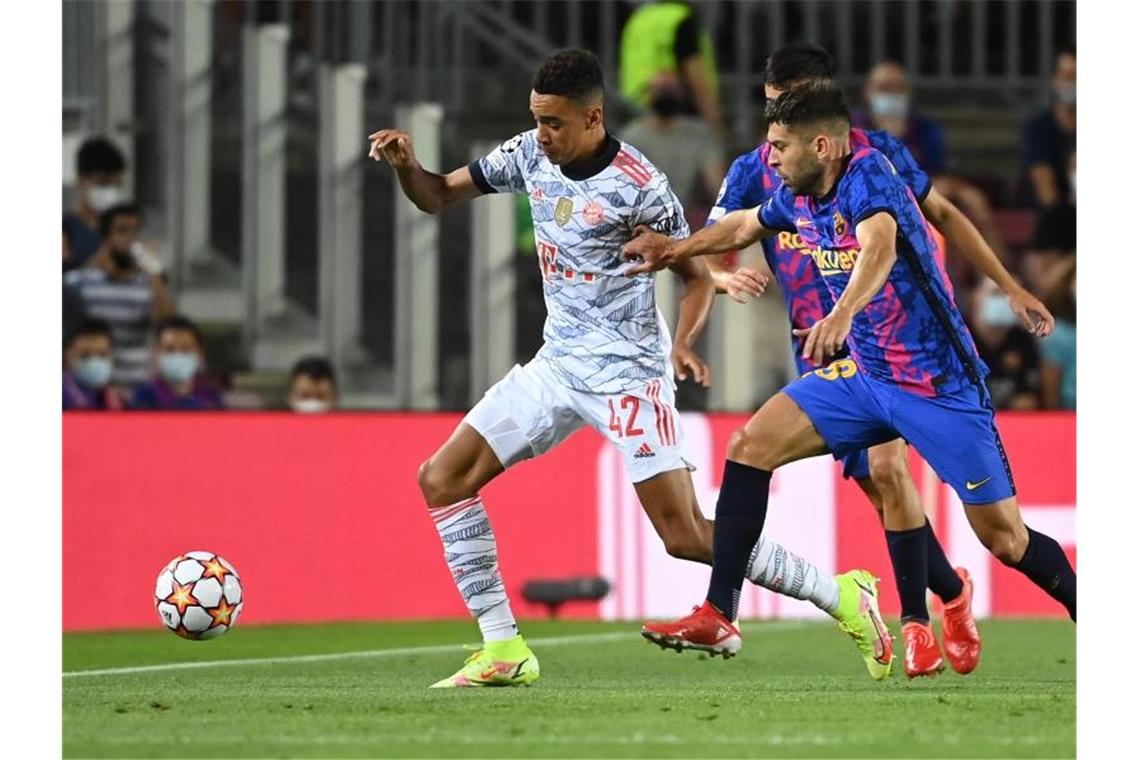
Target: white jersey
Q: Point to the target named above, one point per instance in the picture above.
(603, 331)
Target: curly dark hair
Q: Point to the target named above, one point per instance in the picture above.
(811, 104)
(799, 60)
(316, 367)
(571, 73)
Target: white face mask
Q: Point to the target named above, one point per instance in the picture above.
(996, 311)
(310, 406)
(889, 105)
(102, 197)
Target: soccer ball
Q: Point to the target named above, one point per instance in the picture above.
(198, 595)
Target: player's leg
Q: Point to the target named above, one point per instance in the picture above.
(517, 419)
(671, 504)
(957, 435)
(843, 419)
(1038, 557)
(919, 562)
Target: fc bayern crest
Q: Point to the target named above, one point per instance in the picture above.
(840, 224)
(593, 213)
(562, 211)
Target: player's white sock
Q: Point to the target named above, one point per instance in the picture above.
(469, 548)
(777, 569)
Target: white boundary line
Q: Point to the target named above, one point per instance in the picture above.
(549, 641)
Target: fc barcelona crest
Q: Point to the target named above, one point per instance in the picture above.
(562, 211)
(840, 225)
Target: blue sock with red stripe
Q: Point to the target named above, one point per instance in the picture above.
(740, 513)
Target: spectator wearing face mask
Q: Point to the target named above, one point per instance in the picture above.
(114, 287)
(683, 147)
(1059, 350)
(890, 107)
(1010, 352)
(99, 167)
(312, 386)
(1049, 140)
(87, 369)
(179, 381)
(666, 36)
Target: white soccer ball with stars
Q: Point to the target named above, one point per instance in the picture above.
(198, 595)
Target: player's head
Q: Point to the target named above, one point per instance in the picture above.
(99, 169)
(87, 353)
(312, 385)
(794, 65)
(566, 99)
(808, 127)
(178, 349)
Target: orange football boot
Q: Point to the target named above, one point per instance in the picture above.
(705, 629)
(960, 636)
(923, 657)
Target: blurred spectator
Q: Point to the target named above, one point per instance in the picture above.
(1059, 350)
(1049, 140)
(665, 36)
(1014, 380)
(1054, 244)
(73, 311)
(891, 108)
(683, 147)
(113, 287)
(179, 381)
(312, 386)
(99, 167)
(87, 368)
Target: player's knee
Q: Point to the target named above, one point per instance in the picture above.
(889, 473)
(687, 545)
(750, 448)
(437, 486)
(1007, 543)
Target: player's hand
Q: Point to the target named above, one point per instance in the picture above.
(1033, 315)
(652, 251)
(825, 338)
(686, 361)
(742, 284)
(394, 146)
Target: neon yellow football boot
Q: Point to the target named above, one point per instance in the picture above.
(859, 618)
(498, 663)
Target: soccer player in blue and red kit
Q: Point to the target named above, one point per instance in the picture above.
(883, 472)
(913, 371)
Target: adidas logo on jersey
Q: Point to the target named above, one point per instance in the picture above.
(643, 451)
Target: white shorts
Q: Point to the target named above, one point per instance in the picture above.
(530, 411)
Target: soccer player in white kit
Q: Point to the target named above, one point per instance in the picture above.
(607, 361)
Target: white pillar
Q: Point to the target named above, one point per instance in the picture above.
(114, 79)
(188, 176)
(263, 173)
(417, 270)
(342, 147)
(492, 287)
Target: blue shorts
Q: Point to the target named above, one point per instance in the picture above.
(856, 466)
(954, 432)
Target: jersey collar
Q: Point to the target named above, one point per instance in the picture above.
(594, 166)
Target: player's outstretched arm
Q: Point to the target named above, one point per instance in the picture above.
(736, 230)
(876, 235)
(696, 302)
(430, 192)
(963, 236)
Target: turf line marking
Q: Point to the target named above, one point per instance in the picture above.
(549, 641)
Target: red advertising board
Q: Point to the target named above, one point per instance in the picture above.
(323, 518)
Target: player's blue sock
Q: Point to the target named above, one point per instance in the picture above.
(740, 512)
(909, 560)
(940, 575)
(1047, 566)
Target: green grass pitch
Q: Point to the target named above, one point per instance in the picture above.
(796, 690)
